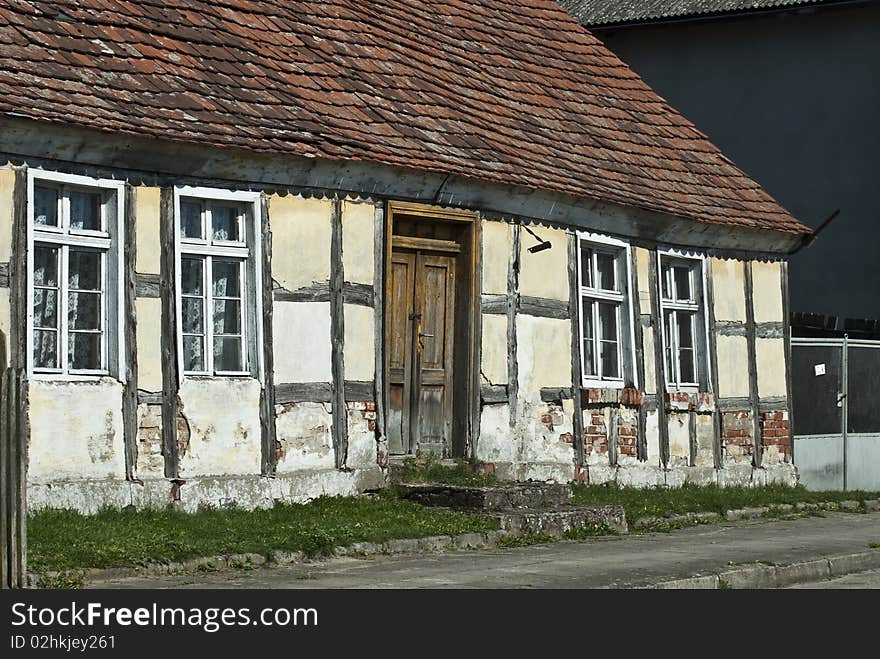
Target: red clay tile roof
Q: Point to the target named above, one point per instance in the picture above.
(507, 92)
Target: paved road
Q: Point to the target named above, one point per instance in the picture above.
(860, 581)
(615, 562)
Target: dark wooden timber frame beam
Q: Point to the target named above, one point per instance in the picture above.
(379, 248)
(576, 377)
(642, 440)
(170, 373)
(129, 284)
(268, 458)
(337, 337)
(512, 307)
(713, 362)
(657, 322)
(786, 322)
(753, 364)
(18, 277)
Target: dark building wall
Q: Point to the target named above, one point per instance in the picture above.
(794, 100)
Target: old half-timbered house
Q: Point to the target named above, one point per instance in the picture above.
(253, 251)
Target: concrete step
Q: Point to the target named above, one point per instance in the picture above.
(513, 496)
(565, 518)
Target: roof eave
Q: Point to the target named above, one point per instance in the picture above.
(160, 162)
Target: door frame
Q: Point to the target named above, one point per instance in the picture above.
(471, 261)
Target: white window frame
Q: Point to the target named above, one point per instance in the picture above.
(626, 341)
(249, 251)
(698, 311)
(109, 241)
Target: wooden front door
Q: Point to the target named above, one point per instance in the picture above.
(420, 331)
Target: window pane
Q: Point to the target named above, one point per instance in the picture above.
(191, 219)
(192, 310)
(608, 322)
(84, 351)
(226, 278)
(45, 206)
(685, 330)
(609, 359)
(225, 222)
(686, 359)
(587, 320)
(85, 210)
(45, 266)
(193, 356)
(667, 277)
(227, 317)
(84, 270)
(605, 268)
(227, 353)
(45, 349)
(191, 276)
(668, 323)
(586, 267)
(45, 307)
(682, 276)
(608, 337)
(84, 311)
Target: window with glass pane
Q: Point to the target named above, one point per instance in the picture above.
(682, 317)
(214, 258)
(69, 299)
(602, 305)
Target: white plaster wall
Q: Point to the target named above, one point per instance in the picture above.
(767, 291)
(728, 286)
(301, 333)
(300, 240)
(770, 355)
(705, 439)
(544, 274)
(733, 366)
(652, 438)
(496, 256)
(305, 433)
(149, 343)
(7, 188)
(543, 354)
(358, 226)
(679, 436)
(362, 448)
(224, 426)
(643, 276)
(76, 431)
(650, 383)
(360, 358)
(5, 323)
(496, 443)
(149, 249)
(493, 366)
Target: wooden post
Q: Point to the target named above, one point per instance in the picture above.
(713, 361)
(170, 382)
(512, 306)
(268, 461)
(379, 248)
(18, 275)
(751, 336)
(337, 337)
(657, 321)
(13, 479)
(129, 392)
(576, 376)
(641, 439)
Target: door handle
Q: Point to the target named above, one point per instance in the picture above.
(427, 336)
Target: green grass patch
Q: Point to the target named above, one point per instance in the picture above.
(664, 501)
(63, 539)
(525, 540)
(874, 545)
(432, 469)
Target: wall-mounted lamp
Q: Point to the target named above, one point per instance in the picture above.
(542, 244)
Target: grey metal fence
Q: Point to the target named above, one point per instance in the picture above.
(836, 412)
(13, 477)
